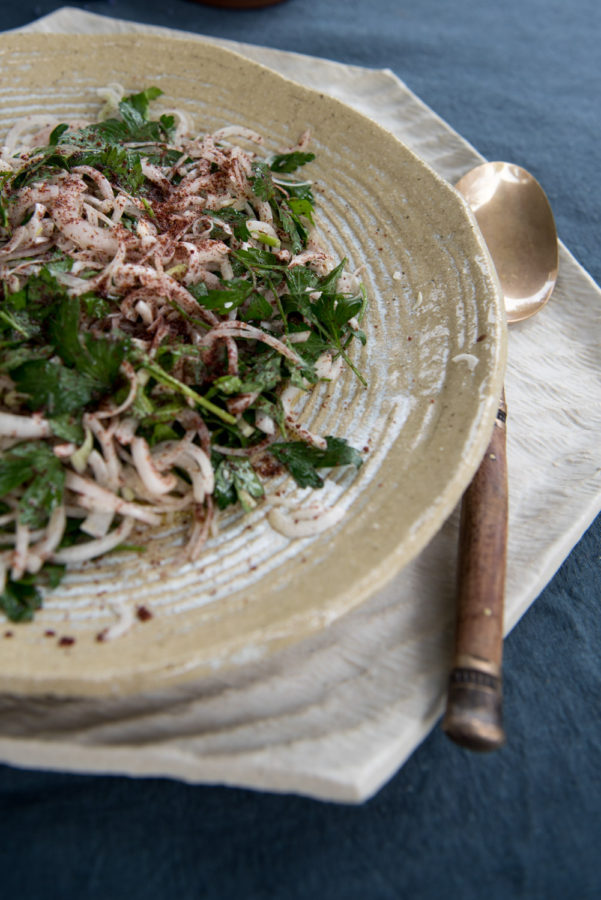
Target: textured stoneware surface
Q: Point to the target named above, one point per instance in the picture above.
(434, 365)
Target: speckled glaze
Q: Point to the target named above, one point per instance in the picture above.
(434, 364)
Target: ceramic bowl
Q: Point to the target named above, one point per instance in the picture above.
(433, 363)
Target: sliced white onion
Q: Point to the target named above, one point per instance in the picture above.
(19, 560)
(24, 426)
(154, 481)
(264, 422)
(41, 551)
(304, 521)
(242, 330)
(91, 549)
(92, 496)
(97, 524)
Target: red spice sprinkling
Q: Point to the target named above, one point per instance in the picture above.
(409, 338)
(8, 634)
(66, 641)
(267, 466)
(481, 337)
(49, 633)
(143, 614)
(366, 448)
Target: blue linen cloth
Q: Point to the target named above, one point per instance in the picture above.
(521, 81)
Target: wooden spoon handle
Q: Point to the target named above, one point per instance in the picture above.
(474, 714)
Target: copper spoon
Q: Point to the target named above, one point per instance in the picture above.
(517, 223)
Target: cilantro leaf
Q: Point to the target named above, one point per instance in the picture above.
(100, 144)
(59, 262)
(37, 296)
(302, 460)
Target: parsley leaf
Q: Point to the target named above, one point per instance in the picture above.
(298, 190)
(134, 108)
(236, 480)
(51, 386)
(301, 206)
(260, 259)
(262, 182)
(262, 373)
(68, 428)
(223, 301)
(19, 600)
(47, 158)
(334, 311)
(292, 226)
(118, 163)
(236, 218)
(302, 460)
(258, 309)
(99, 145)
(133, 127)
(92, 364)
(33, 464)
(57, 133)
(3, 214)
(289, 162)
(98, 359)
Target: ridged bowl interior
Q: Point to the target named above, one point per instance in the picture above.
(433, 362)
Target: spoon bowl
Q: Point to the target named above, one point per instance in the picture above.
(516, 221)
